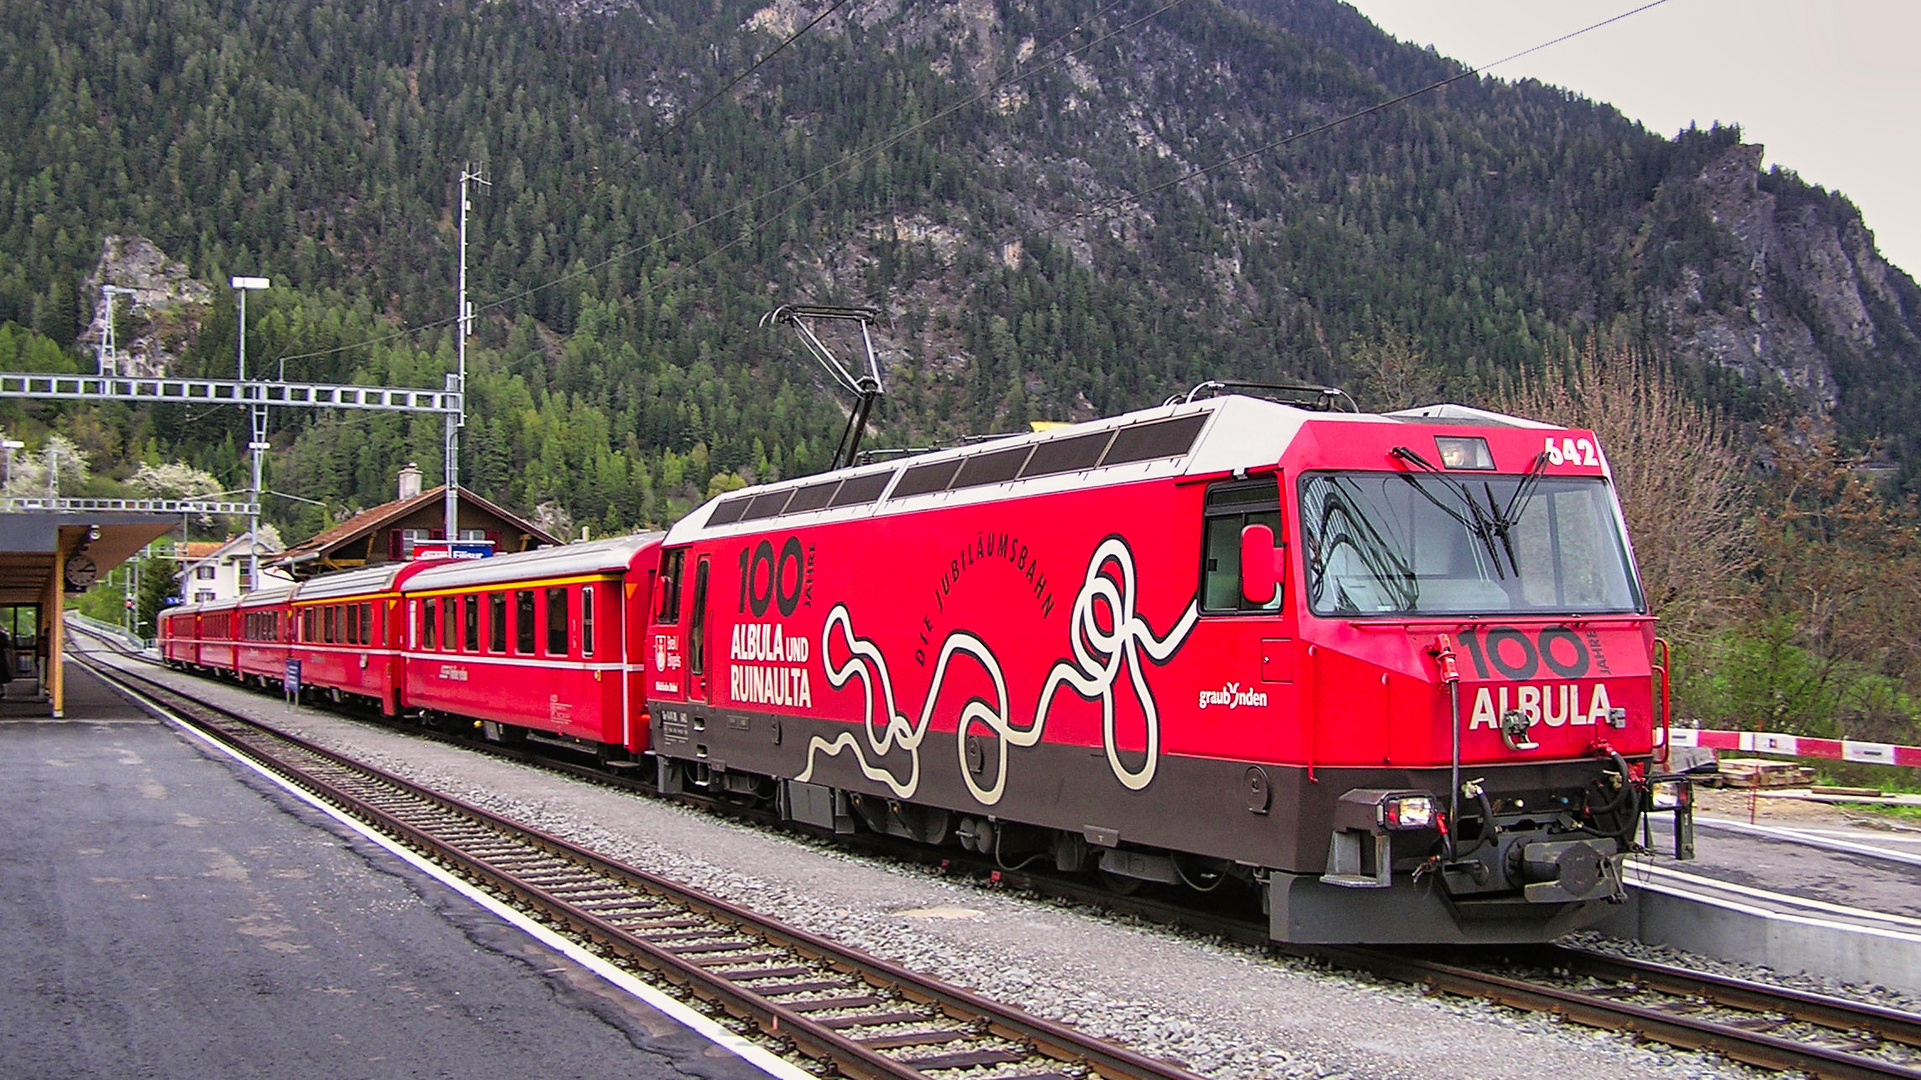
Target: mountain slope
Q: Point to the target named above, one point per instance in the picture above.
(317, 142)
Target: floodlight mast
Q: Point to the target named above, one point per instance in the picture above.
(464, 317)
(866, 388)
(258, 444)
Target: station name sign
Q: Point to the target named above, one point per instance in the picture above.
(459, 549)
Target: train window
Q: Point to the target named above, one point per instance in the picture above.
(996, 467)
(858, 490)
(697, 623)
(429, 624)
(587, 619)
(497, 622)
(470, 622)
(448, 621)
(351, 631)
(1071, 454)
(524, 621)
(306, 625)
(728, 511)
(1230, 508)
(667, 610)
(367, 623)
(922, 479)
(1159, 439)
(1398, 543)
(557, 621)
(812, 497)
(767, 504)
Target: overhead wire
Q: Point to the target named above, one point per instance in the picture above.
(855, 157)
(658, 141)
(852, 157)
(1115, 203)
(1013, 77)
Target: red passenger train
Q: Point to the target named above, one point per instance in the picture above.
(1394, 671)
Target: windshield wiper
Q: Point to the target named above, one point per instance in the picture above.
(1485, 523)
(1492, 522)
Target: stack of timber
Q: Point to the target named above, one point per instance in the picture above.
(1759, 773)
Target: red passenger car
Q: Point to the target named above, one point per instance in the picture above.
(213, 629)
(178, 629)
(262, 632)
(536, 642)
(348, 630)
(1393, 670)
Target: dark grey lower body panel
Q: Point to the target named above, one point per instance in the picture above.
(1305, 911)
(1264, 815)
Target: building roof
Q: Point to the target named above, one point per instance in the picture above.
(196, 552)
(386, 514)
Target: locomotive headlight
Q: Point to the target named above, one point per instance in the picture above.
(1408, 812)
(1667, 795)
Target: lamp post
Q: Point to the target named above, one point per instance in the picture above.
(241, 287)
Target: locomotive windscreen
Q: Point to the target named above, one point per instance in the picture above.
(1400, 543)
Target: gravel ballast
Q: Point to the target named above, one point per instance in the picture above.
(1222, 1010)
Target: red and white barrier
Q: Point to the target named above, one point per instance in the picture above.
(1767, 742)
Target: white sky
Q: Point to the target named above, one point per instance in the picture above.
(1832, 88)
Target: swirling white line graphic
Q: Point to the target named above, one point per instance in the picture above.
(1099, 654)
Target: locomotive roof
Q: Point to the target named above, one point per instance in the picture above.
(1215, 435)
(588, 557)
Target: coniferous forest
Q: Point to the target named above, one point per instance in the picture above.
(1032, 192)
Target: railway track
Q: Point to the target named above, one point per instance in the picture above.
(1767, 1026)
(791, 986)
(854, 1014)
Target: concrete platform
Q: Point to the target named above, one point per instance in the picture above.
(1823, 895)
(167, 913)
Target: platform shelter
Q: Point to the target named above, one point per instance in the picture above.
(46, 556)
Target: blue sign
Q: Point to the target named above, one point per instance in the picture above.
(459, 549)
(292, 681)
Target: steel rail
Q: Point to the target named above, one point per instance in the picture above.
(1819, 1009)
(1594, 1010)
(687, 937)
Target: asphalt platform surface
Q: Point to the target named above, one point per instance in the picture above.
(166, 913)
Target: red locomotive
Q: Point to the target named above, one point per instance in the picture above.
(1395, 671)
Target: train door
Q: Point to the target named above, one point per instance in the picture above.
(697, 631)
(1247, 627)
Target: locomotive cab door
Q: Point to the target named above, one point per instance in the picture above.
(1248, 622)
(697, 631)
